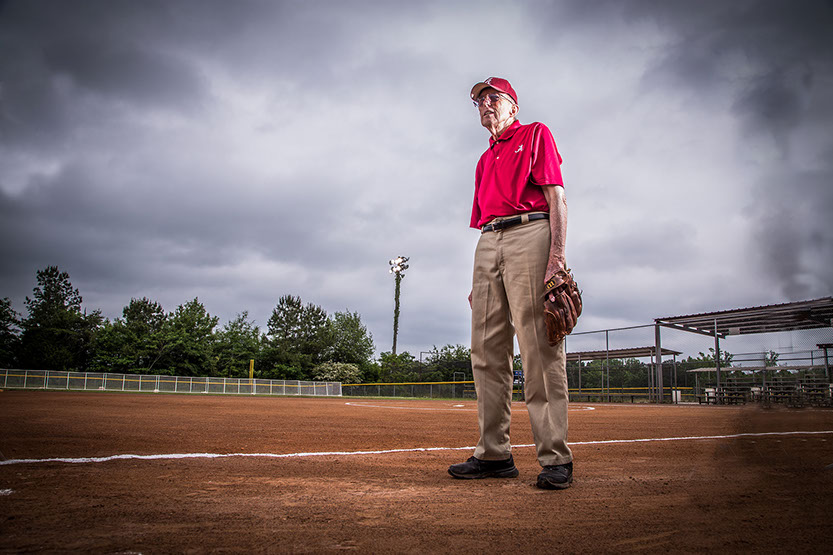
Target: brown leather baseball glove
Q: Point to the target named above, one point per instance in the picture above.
(562, 305)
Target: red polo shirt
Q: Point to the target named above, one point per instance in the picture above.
(510, 173)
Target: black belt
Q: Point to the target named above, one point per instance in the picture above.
(509, 222)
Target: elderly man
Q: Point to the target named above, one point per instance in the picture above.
(520, 208)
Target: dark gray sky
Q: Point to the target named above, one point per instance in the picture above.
(240, 151)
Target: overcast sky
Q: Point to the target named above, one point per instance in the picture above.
(240, 151)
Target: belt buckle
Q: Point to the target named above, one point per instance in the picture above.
(507, 223)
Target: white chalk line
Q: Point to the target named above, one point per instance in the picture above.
(454, 408)
(82, 460)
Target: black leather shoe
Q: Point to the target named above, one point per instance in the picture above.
(558, 476)
(476, 468)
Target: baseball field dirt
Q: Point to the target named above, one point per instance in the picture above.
(317, 475)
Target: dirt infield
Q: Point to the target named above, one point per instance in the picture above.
(376, 492)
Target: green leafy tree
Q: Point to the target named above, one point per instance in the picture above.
(134, 343)
(300, 336)
(704, 360)
(188, 341)
(371, 372)
(633, 373)
(9, 334)
(591, 373)
(237, 343)
(443, 363)
(109, 349)
(402, 367)
(709, 359)
(351, 342)
(145, 322)
(620, 373)
(57, 335)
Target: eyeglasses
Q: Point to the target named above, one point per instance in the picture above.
(488, 99)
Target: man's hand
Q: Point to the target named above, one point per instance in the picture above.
(562, 305)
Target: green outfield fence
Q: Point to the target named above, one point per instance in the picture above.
(97, 381)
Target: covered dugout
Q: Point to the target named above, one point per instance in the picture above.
(800, 315)
(632, 352)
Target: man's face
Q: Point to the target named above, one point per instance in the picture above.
(495, 113)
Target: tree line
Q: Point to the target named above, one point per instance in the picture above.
(300, 341)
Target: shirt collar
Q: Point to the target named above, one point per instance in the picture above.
(507, 134)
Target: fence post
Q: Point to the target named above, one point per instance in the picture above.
(717, 362)
(607, 363)
(123, 380)
(658, 378)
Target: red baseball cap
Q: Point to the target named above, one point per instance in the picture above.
(500, 85)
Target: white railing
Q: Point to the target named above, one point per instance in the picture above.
(98, 381)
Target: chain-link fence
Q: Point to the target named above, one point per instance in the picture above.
(791, 366)
(95, 381)
(417, 390)
(620, 364)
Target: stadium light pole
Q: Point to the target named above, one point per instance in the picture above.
(397, 267)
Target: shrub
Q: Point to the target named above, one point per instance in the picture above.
(337, 372)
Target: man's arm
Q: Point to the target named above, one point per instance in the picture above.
(558, 228)
(562, 303)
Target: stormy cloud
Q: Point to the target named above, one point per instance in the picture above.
(242, 151)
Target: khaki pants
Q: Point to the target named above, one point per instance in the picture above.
(507, 299)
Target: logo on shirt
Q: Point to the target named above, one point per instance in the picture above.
(520, 149)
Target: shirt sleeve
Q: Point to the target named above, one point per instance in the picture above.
(546, 161)
(475, 209)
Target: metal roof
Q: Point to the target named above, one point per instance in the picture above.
(633, 352)
(801, 315)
